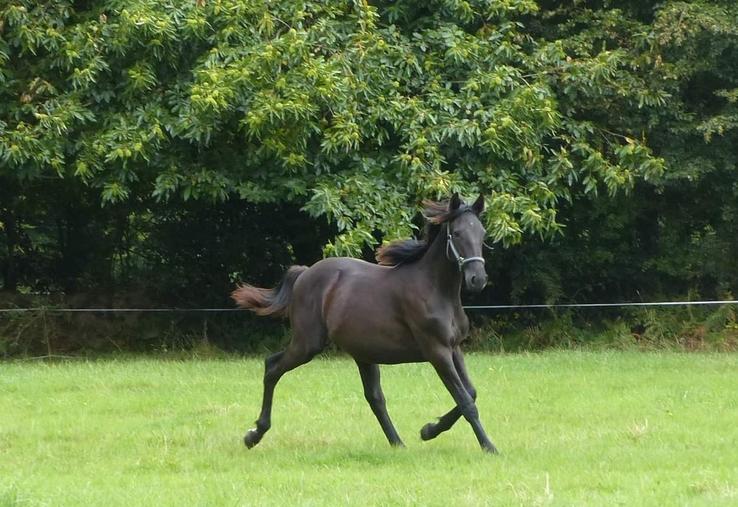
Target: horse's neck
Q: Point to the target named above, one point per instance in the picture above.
(436, 266)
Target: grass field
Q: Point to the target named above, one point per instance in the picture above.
(574, 428)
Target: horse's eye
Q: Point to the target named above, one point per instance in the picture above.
(456, 234)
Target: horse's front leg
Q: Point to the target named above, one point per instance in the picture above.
(446, 421)
(442, 359)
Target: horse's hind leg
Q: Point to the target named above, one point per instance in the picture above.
(297, 353)
(375, 397)
(446, 421)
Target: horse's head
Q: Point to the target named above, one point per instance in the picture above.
(465, 237)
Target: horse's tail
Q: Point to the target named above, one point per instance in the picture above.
(274, 301)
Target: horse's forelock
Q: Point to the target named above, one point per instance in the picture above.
(438, 212)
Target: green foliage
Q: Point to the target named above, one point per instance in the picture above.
(669, 237)
(354, 111)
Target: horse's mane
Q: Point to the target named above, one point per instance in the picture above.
(405, 251)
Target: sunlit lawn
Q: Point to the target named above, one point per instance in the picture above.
(574, 428)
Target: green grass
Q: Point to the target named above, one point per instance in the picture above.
(574, 428)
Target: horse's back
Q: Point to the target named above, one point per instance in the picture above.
(341, 281)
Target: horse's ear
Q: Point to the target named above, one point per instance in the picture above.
(478, 206)
(455, 202)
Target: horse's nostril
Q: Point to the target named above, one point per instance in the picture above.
(473, 279)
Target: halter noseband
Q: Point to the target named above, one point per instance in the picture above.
(460, 261)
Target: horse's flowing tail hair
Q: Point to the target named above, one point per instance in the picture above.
(274, 301)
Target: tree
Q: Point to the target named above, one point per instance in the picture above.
(355, 112)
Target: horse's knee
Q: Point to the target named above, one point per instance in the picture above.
(469, 411)
(270, 361)
(374, 397)
(271, 375)
(278, 364)
(472, 392)
(306, 351)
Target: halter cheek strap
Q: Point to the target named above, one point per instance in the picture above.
(460, 261)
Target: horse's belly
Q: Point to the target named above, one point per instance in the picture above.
(376, 342)
(380, 351)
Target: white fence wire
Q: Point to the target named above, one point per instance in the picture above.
(469, 307)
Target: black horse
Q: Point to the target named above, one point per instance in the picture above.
(406, 309)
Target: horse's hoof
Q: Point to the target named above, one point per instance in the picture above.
(252, 438)
(491, 449)
(398, 445)
(426, 432)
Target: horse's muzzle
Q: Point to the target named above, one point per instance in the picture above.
(475, 282)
